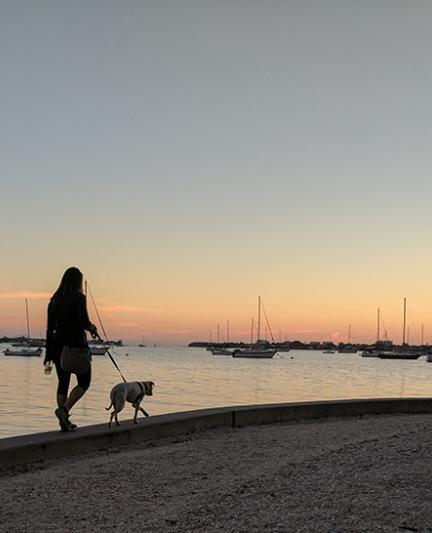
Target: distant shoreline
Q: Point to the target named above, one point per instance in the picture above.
(299, 345)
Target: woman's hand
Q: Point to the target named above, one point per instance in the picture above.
(93, 331)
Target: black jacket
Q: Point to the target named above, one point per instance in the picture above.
(67, 325)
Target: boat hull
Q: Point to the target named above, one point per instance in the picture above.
(255, 354)
(97, 351)
(24, 353)
(221, 352)
(399, 355)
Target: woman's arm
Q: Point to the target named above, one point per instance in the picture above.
(49, 339)
(84, 318)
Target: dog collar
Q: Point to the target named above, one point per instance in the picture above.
(143, 392)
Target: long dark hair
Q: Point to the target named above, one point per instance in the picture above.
(70, 286)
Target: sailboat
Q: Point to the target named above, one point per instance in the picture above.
(142, 344)
(261, 349)
(348, 348)
(221, 349)
(27, 352)
(381, 345)
(404, 352)
(97, 350)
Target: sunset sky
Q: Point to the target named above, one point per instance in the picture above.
(189, 156)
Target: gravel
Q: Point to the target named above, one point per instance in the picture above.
(334, 475)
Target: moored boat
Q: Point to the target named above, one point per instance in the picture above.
(399, 354)
(25, 352)
(254, 352)
(405, 352)
(370, 352)
(348, 349)
(26, 344)
(221, 351)
(261, 349)
(36, 343)
(97, 350)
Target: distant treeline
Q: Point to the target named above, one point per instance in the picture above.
(13, 339)
(291, 345)
(299, 345)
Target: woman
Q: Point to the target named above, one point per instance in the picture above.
(67, 322)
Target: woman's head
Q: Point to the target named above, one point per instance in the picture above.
(70, 284)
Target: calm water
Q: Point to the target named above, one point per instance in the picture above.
(192, 378)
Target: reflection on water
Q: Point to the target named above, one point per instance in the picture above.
(192, 378)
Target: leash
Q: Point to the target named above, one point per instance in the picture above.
(113, 361)
(106, 336)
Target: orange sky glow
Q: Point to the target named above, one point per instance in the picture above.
(189, 157)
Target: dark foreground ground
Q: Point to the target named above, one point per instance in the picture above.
(358, 474)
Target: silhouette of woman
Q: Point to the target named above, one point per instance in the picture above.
(67, 324)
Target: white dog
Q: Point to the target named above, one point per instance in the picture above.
(132, 392)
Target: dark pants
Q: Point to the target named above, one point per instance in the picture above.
(64, 379)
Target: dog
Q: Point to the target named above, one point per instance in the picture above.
(132, 392)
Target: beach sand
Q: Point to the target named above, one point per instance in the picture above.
(371, 473)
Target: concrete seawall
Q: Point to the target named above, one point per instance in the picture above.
(28, 449)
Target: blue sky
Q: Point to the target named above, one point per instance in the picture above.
(232, 140)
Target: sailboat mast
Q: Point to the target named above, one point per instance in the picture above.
(422, 334)
(404, 324)
(252, 328)
(28, 325)
(227, 330)
(349, 333)
(378, 325)
(259, 317)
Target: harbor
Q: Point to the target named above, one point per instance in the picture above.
(192, 378)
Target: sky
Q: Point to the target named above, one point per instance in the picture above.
(191, 156)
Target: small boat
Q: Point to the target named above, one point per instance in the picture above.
(25, 352)
(348, 349)
(221, 351)
(329, 351)
(370, 352)
(142, 344)
(28, 342)
(36, 343)
(254, 352)
(404, 352)
(97, 350)
(261, 349)
(400, 354)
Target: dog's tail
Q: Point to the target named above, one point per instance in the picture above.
(109, 407)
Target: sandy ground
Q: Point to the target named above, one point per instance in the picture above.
(354, 474)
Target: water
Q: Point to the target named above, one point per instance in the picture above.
(192, 378)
